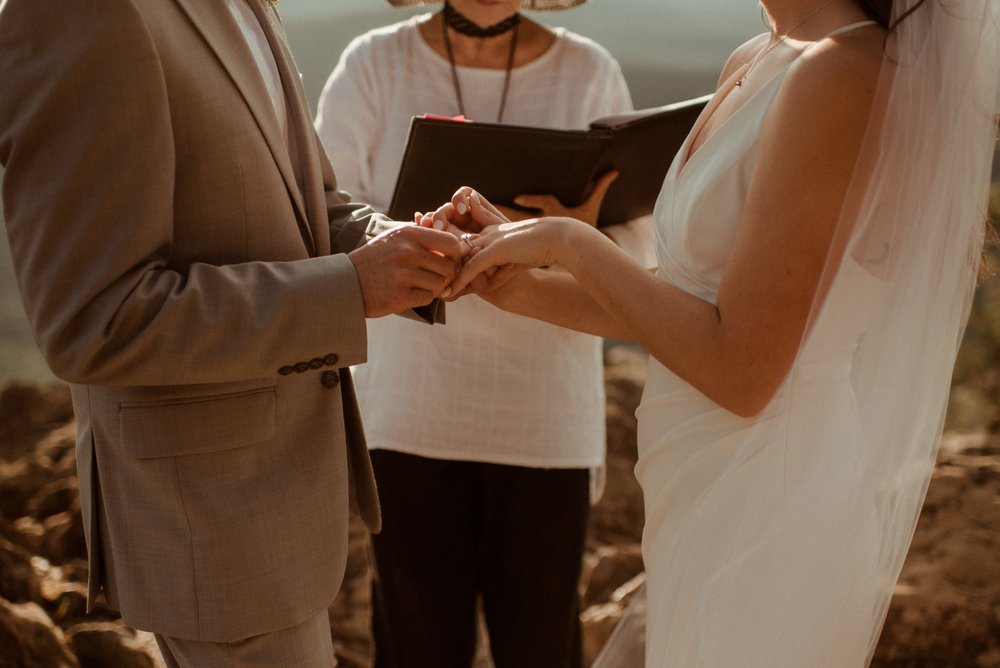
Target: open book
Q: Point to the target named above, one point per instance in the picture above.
(504, 161)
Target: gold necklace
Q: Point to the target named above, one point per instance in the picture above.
(773, 45)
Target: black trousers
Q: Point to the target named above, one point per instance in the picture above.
(455, 530)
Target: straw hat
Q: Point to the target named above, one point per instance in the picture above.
(537, 5)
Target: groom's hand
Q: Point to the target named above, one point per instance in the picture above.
(406, 266)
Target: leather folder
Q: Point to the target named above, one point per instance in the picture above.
(504, 161)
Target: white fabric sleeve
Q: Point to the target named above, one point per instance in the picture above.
(348, 120)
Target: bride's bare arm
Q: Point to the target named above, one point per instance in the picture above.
(739, 349)
(556, 297)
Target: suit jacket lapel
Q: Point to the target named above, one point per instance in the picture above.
(214, 21)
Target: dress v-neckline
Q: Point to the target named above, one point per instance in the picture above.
(713, 106)
(716, 102)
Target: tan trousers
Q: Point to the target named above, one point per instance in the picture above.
(307, 645)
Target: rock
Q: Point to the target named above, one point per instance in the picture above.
(600, 621)
(64, 538)
(18, 581)
(618, 517)
(62, 593)
(946, 608)
(102, 644)
(607, 569)
(624, 619)
(930, 631)
(13, 655)
(27, 413)
(59, 446)
(55, 497)
(20, 481)
(28, 533)
(30, 639)
(65, 601)
(351, 656)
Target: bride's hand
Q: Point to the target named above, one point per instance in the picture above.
(458, 213)
(503, 250)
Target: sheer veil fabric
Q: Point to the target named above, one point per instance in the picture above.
(898, 287)
(915, 220)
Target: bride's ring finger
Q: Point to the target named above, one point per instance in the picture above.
(467, 238)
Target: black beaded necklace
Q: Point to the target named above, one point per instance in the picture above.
(456, 21)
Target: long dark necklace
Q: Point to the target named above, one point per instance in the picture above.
(459, 23)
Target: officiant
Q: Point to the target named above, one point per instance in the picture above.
(491, 502)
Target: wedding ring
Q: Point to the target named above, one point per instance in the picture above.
(467, 238)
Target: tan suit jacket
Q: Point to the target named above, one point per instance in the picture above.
(177, 275)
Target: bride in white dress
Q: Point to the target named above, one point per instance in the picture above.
(818, 240)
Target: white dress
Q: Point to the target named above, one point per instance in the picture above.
(760, 532)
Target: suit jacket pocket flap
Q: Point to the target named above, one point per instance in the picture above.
(196, 425)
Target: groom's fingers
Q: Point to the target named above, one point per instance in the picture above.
(443, 244)
(483, 281)
(478, 285)
(404, 267)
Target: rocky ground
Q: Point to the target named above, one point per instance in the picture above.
(946, 610)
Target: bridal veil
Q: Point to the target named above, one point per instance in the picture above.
(915, 219)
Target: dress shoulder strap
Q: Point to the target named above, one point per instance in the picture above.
(851, 26)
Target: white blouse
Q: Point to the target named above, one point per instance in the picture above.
(489, 386)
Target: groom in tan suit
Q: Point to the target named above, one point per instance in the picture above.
(180, 244)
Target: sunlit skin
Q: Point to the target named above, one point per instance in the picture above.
(404, 267)
(736, 351)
